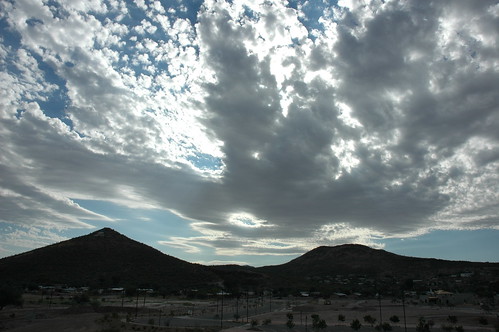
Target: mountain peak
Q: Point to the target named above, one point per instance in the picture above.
(103, 258)
(105, 232)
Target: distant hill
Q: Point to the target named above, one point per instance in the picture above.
(104, 258)
(354, 259)
(360, 259)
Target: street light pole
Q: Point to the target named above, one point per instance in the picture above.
(403, 307)
(222, 312)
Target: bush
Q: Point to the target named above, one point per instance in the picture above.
(459, 328)
(81, 298)
(267, 321)
(254, 322)
(369, 319)
(386, 326)
(383, 327)
(424, 325)
(10, 296)
(95, 303)
(290, 324)
(452, 319)
(483, 321)
(317, 322)
(355, 324)
(447, 328)
(394, 319)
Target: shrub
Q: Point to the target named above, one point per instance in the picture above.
(386, 326)
(483, 321)
(267, 321)
(341, 318)
(369, 319)
(290, 324)
(95, 303)
(317, 322)
(424, 325)
(447, 328)
(355, 324)
(254, 322)
(81, 298)
(10, 296)
(394, 319)
(452, 319)
(459, 328)
(383, 327)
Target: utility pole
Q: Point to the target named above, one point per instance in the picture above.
(222, 312)
(237, 306)
(380, 315)
(137, 304)
(403, 307)
(270, 301)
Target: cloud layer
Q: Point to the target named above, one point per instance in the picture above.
(271, 127)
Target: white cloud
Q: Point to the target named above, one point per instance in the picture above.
(382, 116)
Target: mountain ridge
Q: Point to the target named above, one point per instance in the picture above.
(107, 258)
(103, 258)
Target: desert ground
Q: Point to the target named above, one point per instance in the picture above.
(115, 313)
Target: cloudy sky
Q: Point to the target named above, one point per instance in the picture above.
(251, 131)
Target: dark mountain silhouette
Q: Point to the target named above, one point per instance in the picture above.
(352, 259)
(359, 259)
(104, 258)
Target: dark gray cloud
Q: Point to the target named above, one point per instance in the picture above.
(381, 124)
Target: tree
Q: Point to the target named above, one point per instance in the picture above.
(355, 324)
(290, 324)
(483, 321)
(10, 296)
(385, 327)
(447, 328)
(423, 325)
(317, 322)
(369, 319)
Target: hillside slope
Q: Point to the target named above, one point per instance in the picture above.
(362, 260)
(104, 258)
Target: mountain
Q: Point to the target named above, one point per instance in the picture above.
(104, 258)
(324, 264)
(359, 259)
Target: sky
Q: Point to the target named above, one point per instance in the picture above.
(252, 131)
